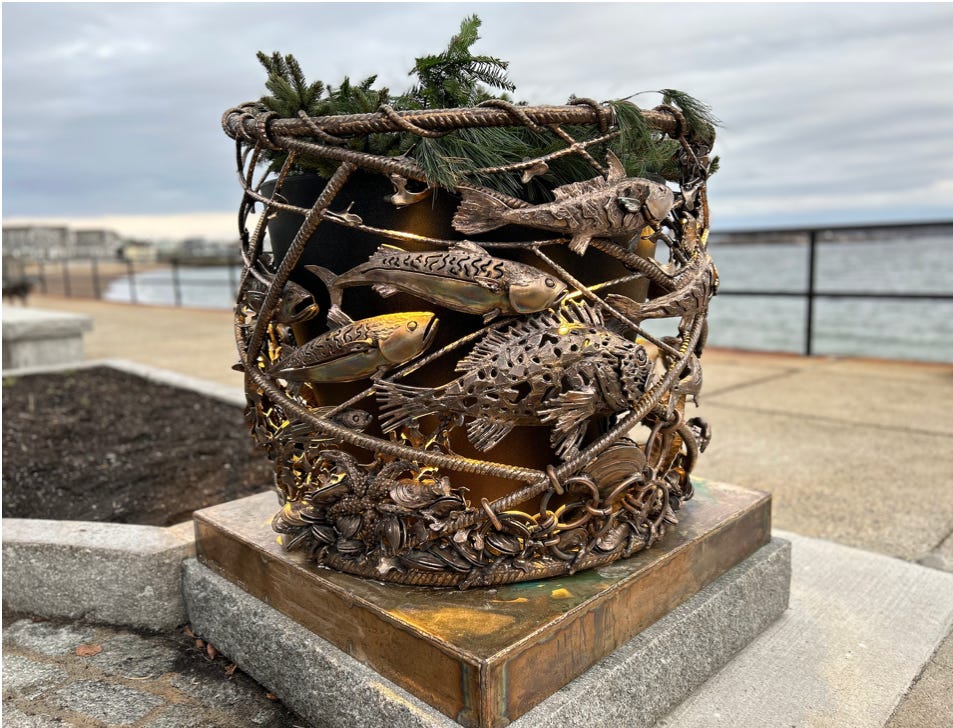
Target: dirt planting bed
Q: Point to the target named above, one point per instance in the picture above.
(101, 444)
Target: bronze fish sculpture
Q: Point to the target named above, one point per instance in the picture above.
(695, 287)
(359, 349)
(353, 419)
(611, 207)
(558, 368)
(463, 278)
(295, 305)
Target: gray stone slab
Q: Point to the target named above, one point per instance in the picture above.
(653, 671)
(111, 704)
(46, 639)
(14, 718)
(867, 486)
(919, 404)
(132, 656)
(101, 572)
(929, 701)
(940, 557)
(859, 629)
(32, 337)
(23, 677)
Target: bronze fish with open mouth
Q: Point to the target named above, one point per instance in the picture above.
(611, 207)
(462, 278)
(295, 305)
(558, 368)
(696, 285)
(359, 349)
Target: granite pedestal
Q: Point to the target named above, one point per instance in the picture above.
(485, 657)
(35, 338)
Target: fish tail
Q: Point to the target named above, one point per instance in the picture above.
(336, 316)
(479, 212)
(400, 403)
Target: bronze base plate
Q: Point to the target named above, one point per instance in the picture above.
(486, 656)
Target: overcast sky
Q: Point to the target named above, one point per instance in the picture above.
(832, 113)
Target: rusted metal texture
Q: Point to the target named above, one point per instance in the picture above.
(486, 656)
(459, 390)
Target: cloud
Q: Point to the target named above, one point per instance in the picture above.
(827, 109)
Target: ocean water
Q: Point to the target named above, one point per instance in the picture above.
(918, 330)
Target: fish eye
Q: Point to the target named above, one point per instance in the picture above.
(550, 283)
(412, 325)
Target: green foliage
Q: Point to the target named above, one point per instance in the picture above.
(452, 78)
(698, 115)
(456, 78)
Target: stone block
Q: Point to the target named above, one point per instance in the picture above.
(634, 686)
(100, 572)
(32, 337)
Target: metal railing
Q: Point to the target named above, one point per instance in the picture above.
(811, 294)
(90, 278)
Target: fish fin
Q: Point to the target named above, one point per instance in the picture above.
(238, 367)
(616, 169)
(337, 317)
(577, 189)
(565, 442)
(485, 434)
(400, 404)
(580, 242)
(626, 305)
(491, 314)
(580, 312)
(329, 279)
(470, 247)
(478, 212)
(570, 409)
(386, 290)
(255, 298)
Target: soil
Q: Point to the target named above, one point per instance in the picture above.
(103, 445)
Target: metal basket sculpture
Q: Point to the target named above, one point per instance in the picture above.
(380, 422)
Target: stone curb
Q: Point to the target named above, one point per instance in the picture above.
(110, 573)
(653, 671)
(35, 337)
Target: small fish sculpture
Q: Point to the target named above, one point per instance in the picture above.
(695, 287)
(463, 278)
(557, 368)
(611, 207)
(353, 419)
(295, 305)
(360, 349)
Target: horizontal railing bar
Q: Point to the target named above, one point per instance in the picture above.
(833, 228)
(843, 294)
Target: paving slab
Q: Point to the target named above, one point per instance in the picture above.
(868, 487)
(860, 628)
(917, 404)
(929, 701)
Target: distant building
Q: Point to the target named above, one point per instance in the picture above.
(138, 251)
(96, 244)
(37, 242)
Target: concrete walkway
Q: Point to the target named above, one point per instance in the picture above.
(858, 452)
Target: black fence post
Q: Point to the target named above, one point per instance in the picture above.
(41, 273)
(176, 283)
(94, 269)
(131, 275)
(811, 280)
(232, 279)
(67, 287)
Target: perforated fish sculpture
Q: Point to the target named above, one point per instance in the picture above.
(558, 368)
(462, 278)
(611, 207)
(359, 349)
